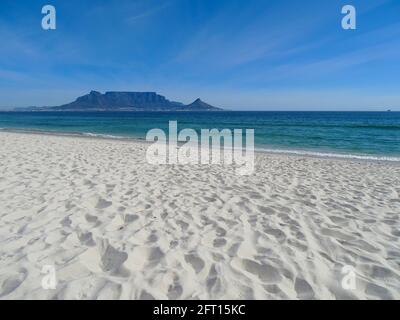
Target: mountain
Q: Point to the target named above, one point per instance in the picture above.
(199, 105)
(126, 101)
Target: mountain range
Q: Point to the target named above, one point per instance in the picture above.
(126, 101)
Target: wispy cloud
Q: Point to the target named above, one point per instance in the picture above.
(384, 48)
(227, 42)
(11, 75)
(148, 13)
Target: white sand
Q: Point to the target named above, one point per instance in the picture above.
(116, 227)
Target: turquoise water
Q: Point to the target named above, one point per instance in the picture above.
(346, 134)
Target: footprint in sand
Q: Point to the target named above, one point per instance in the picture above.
(128, 218)
(175, 290)
(303, 289)
(382, 273)
(152, 238)
(266, 273)
(219, 242)
(378, 292)
(103, 204)
(214, 283)
(111, 259)
(155, 256)
(66, 222)
(196, 262)
(11, 282)
(146, 296)
(91, 219)
(232, 251)
(85, 238)
(266, 210)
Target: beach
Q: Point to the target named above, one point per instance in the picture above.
(116, 227)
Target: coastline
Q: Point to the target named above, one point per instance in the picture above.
(258, 149)
(113, 226)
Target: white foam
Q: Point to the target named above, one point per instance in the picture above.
(99, 135)
(330, 155)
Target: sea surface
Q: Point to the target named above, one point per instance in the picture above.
(360, 135)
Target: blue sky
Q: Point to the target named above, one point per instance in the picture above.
(247, 54)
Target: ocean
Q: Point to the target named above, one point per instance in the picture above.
(360, 135)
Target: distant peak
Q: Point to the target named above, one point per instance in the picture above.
(94, 92)
(198, 101)
(198, 104)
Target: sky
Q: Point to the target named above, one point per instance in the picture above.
(236, 54)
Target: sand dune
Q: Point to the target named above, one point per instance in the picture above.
(115, 227)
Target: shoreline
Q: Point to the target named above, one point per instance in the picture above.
(258, 150)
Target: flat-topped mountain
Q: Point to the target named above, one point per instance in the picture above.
(127, 101)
